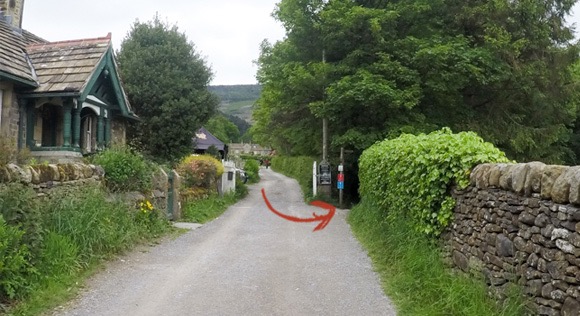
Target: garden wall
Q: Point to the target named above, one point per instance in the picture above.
(520, 223)
(47, 178)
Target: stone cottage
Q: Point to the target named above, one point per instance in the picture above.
(61, 100)
(249, 149)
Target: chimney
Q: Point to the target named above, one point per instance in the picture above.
(11, 12)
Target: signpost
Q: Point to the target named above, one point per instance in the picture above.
(340, 177)
(325, 175)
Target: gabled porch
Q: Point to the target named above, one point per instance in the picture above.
(79, 107)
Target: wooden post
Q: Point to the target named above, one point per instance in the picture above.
(341, 172)
(77, 124)
(67, 108)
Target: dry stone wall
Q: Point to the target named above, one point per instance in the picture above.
(520, 223)
(47, 177)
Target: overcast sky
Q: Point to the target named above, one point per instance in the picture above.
(226, 32)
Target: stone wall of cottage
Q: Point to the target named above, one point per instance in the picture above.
(9, 114)
(520, 223)
(118, 132)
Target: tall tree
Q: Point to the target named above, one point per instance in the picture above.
(166, 82)
(500, 68)
(222, 128)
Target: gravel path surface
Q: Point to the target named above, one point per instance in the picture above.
(247, 262)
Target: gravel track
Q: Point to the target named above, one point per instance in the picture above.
(247, 262)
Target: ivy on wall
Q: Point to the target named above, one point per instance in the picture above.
(411, 176)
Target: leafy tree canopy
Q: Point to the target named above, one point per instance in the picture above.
(166, 82)
(377, 69)
(222, 128)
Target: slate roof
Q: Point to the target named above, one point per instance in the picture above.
(13, 58)
(205, 139)
(67, 65)
(30, 38)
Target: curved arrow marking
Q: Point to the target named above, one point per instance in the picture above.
(323, 219)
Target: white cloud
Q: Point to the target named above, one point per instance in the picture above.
(228, 33)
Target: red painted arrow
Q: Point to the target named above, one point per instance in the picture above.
(323, 219)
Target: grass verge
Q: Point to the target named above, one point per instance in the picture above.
(77, 231)
(414, 275)
(205, 210)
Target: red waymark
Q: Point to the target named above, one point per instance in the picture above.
(323, 219)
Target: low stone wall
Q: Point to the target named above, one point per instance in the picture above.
(519, 223)
(47, 178)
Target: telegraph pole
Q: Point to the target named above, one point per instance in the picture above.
(325, 177)
(324, 120)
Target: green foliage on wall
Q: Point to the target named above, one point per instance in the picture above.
(411, 176)
(125, 169)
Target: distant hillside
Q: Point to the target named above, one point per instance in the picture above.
(237, 100)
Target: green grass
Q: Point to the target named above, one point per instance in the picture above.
(414, 275)
(241, 108)
(205, 210)
(80, 230)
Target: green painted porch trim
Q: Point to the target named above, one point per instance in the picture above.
(56, 149)
(50, 95)
(77, 124)
(95, 103)
(108, 63)
(86, 91)
(10, 77)
(121, 101)
(66, 133)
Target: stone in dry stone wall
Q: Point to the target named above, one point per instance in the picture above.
(48, 177)
(520, 223)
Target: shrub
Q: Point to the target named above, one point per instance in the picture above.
(125, 169)
(14, 266)
(199, 171)
(252, 170)
(411, 176)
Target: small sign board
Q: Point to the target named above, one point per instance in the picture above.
(340, 185)
(340, 177)
(324, 172)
